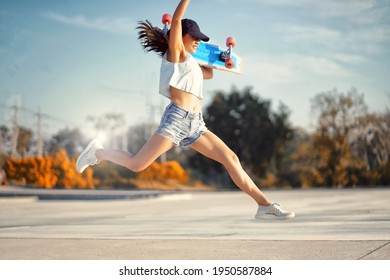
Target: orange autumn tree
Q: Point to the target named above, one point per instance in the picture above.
(36, 171)
(68, 177)
(49, 171)
(170, 170)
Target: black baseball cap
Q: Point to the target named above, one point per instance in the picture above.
(191, 27)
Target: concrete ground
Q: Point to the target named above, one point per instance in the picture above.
(329, 225)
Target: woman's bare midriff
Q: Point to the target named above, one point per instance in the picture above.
(185, 100)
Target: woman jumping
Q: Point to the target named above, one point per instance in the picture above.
(181, 80)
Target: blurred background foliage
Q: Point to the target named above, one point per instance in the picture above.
(347, 146)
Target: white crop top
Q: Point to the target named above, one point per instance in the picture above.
(186, 76)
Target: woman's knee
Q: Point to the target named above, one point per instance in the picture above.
(136, 166)
(230, 158)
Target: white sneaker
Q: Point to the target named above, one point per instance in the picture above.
(88, 157)
(273, 212)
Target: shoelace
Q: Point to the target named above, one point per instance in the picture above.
(277, 207)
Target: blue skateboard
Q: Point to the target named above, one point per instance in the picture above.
(213, 56)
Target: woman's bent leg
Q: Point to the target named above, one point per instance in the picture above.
(153, 148)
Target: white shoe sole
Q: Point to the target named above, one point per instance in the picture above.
(274, 217)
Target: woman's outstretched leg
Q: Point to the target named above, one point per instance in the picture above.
(214, 148)
(153, 148)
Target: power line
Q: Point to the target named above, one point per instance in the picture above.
(15, 126)
(42, 115)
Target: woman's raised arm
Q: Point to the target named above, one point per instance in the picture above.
(176, 51)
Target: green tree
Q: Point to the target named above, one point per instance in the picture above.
(246, 123)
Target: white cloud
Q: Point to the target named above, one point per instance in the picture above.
(317, 35)
(111, 25)
(345, 8)
(275, 71)
(371, 39)
(358, 41)
(346, 58)
(329, 8)
(357, 11)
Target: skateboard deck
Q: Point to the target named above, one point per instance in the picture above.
(209, 55)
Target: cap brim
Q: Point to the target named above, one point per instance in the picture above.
(200, 36)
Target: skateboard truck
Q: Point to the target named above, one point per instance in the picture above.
(227, 55)
(166, 20)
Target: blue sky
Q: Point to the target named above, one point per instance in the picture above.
(71, 58)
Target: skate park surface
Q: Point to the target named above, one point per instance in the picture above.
(330, 224)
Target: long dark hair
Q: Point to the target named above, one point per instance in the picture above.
(152, 38)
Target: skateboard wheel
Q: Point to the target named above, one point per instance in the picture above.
(166, 18)
(230, 41)
(229, 63)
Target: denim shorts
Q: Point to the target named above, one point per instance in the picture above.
(181, 126)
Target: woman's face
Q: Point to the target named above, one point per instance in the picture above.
(190, 43)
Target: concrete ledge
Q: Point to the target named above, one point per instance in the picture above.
(21, 199)
(78, 194)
